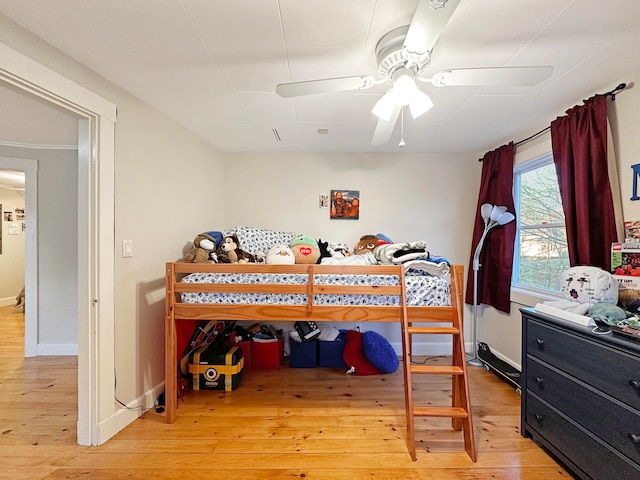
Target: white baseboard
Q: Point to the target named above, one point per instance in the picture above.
(56, 349)
(506, 359)
(124, 416)
(430, 348)
(7, 301)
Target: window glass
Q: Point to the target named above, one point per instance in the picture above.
(541, 253)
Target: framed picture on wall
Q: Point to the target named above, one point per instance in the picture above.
(345, 204)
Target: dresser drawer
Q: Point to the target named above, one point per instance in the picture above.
(594, 458)
(613, 422)
(607, 369)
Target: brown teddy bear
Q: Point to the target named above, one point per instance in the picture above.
(203, 246)
(367, 243)
(229, 251)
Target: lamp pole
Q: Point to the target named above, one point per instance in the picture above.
(492, 217)
(475, 361)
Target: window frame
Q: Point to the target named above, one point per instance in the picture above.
(525, 293)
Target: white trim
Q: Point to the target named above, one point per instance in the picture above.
(45, 349)
(95, 224)
(135, 408)
(37, 79)
(37, 146)
(427, 348)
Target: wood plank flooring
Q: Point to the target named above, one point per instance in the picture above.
(317, 424)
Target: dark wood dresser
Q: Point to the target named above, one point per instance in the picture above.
(581, 396)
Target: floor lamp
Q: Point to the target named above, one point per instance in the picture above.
(493, 216)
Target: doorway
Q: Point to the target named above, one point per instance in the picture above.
(95, 228)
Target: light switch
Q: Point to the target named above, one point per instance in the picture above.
(127, 248)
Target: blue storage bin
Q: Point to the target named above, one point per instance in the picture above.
(303, 355)
(330, 353)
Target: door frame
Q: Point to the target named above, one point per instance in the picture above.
(96, 157)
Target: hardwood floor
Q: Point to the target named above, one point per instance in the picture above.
(318, 424)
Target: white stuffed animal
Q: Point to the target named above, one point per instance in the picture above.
(280, 255)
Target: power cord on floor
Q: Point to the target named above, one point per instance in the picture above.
(427, 359)
(138, 408)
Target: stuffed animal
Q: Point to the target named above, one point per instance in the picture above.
(305, 249)
(367, 243)
(324, 250)
(229, 251)
(280, 255)
(203, 247)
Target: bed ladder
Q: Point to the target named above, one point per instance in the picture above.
(460, 409)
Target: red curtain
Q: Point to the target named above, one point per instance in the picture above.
(579, 142)
(496, 258)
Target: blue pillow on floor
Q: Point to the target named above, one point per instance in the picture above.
(379, 352)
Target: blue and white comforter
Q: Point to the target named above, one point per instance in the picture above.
(422, 290)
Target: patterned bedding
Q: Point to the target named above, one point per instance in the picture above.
(422, 290)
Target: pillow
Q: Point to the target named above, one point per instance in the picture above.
(254, 240)
(379, 352)
(354, 357)
(589, 285)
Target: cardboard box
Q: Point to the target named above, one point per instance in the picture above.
(214, 368)
(303, 355)
(628, 292)
(266, 354)
(625, 258)
(632, 231)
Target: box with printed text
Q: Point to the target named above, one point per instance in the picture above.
(625, 258)
(628, 292)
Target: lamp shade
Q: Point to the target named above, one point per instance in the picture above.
(404, 92)
(485, 211)
(384, 107)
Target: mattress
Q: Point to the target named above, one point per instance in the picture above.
(422, 290)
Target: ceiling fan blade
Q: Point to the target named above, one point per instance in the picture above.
(384, 128)
(327, 85)
(427, 25)
(517, 76)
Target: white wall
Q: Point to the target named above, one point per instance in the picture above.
(405, 196)
(502, 332)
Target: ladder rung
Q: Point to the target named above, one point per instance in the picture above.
(434, 330)
(437, 369)
(453, 412)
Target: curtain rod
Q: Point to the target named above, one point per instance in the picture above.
(611, 94)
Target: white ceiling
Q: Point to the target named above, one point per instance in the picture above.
(213, 65)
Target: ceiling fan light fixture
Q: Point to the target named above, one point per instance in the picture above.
(403, 89)
(384, 107)
(420, 103)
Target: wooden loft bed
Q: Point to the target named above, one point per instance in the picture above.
(312, 290)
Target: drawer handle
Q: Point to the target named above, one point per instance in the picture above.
(539, 417)
(540, 381)
(635, 384)
(635, 439)
(540, 343)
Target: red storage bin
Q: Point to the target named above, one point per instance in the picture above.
(246, 353)
(266, 355)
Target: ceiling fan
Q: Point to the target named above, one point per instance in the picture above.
(403, 56)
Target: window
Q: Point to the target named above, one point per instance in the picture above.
(541, 253)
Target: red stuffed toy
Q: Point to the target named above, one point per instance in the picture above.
(353, 355)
